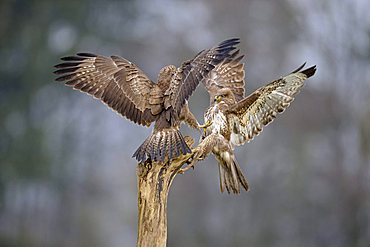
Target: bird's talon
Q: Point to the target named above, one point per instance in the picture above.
(205, 125)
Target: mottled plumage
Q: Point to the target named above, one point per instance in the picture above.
(122, 86)
(238, 119)
(228, 74)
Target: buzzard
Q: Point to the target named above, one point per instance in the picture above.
(234, 119)
(123, 87)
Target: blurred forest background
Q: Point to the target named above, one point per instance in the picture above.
(66, 173)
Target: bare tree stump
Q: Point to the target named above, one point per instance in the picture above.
(154, 182)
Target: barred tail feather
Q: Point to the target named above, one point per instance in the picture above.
(161, 144)
(231, 175)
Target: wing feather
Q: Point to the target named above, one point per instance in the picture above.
(117, 82)
(228, 74)
(261, 107)
(189, 75)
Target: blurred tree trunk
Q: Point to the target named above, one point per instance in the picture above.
(154, 182)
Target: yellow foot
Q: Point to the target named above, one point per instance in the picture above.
(183, 170)
(189, 164)
(198, 154)
(206, 125)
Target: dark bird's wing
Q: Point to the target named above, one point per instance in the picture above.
(117, 82)
(192, 72)
(228, 74)
(248, 116)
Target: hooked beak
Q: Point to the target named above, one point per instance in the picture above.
(218, 98)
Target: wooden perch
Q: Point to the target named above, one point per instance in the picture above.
(154, 182)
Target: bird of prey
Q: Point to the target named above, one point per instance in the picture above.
(123, 87)
(234, 119)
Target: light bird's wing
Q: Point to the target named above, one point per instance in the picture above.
(192, 72)
(117, 82)
(248, 117)
(228, 74)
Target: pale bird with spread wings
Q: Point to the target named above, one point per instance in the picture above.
(123, 87)
(234, 119)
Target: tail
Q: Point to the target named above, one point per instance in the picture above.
(231, 176)
(161, 144)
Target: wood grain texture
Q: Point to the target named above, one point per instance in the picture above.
(154, 180)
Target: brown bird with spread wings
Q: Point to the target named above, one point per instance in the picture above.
(234, 119)
(122, 86)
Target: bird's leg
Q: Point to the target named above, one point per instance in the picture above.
(204, 148)
(183, 170)
(204, 127)
(198, 154)
(189, 164)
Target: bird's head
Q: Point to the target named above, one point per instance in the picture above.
(226, 95)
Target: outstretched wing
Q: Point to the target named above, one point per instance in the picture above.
(189, 75)
(117, 82)
(228, 74)
(248, 116)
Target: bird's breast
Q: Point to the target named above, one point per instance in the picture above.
(218, 119)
